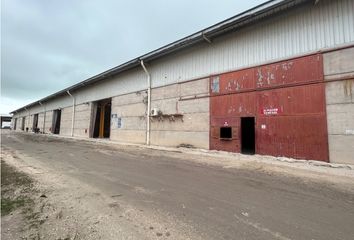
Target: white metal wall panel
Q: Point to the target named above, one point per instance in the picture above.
(128, 82)
(302, 30)
(59, 102)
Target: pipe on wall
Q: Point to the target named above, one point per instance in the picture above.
(73, 114)
(148, 103)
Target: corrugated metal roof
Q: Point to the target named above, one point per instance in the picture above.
(231, 24)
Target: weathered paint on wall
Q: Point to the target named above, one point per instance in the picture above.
(290, 116)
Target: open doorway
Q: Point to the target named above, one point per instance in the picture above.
(15, 123)
(23, 123)
(101, 119)
(56, 121)
(248, 135)
(35, 123)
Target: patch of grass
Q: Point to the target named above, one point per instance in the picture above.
(15, 188)
(19, 196)
(8, 205)
(10, 176)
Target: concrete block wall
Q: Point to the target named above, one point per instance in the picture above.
(189, 99)
(66, 121)
(339, 77)
(28, 123)
(82, 120)
(40, 121)
(130, 111)
(12, 123)
(19, 124)
(48, 121)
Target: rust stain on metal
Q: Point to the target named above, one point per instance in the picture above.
(300, 70)
(290, 120)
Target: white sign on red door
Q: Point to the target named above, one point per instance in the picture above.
(271, 111)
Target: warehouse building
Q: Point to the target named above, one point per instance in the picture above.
(275, 80)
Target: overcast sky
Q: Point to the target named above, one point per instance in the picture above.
(47, 45)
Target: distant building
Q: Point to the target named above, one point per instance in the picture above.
(5, 121)
(274, 80)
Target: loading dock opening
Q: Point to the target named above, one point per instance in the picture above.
(35, 123)
(101, 119)
(23, 123)
(248, 135)
(56, 121)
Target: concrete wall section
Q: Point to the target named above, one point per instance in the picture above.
(339, 64)
(66, 121)
(40, 124)
(28, 123)
(48, 121)
(340, 104)
(19, 124)
(82, 120)
(128, 121)
(190, 100)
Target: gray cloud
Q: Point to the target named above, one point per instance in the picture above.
(49, 45)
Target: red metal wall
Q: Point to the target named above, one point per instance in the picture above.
(287, 100)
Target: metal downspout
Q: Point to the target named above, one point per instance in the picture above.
(148, 104)
(73, 114)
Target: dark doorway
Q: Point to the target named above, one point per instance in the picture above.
(101, 119)
(15, 123)
(23, 123)
(56, 121)
(248, 135)
(35, 123)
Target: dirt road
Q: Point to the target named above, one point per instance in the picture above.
(121, 192)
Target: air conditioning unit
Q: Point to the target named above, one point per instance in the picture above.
(154, 112)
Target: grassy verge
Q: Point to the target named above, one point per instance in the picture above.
(16, 188)
(18, 197)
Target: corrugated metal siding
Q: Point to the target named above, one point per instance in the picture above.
(287, 100)
(128, 82)
(302, 30)
(299, 129)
